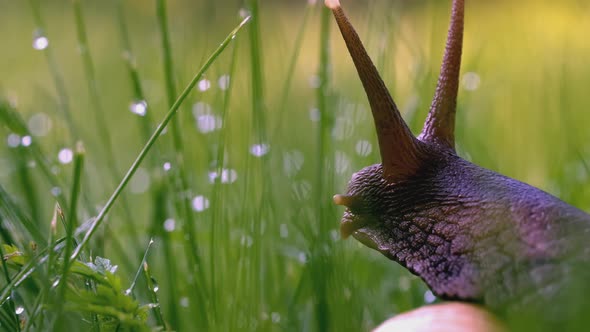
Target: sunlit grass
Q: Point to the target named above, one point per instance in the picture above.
(236, 191)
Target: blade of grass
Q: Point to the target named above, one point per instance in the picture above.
(217, 220)
(100, 218)
(11, 311)
(152, 289)
(320, 258)
(15, 217)
(14, 122)
(103, 130)
(141, 266)
(291, 68)
(181, 184)
(70, 225)
(56, 75)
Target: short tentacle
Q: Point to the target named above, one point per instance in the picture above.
(439, 127)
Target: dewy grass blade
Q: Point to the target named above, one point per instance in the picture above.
(56, 74)
(100, 218)
(99, 115)
(141, 266)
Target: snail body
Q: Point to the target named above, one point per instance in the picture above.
(470, 233)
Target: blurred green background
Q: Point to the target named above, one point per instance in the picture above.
(239, 206)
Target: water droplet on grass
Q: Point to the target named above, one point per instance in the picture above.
(167, 166)
(292, 162)
(65, 156)
(284, 231)
(169, 225)
(246, 241)
(200, 203)
(140, 182)
(363, 148)
(39, 124)
(56, 191)
(138, 107)
(128, 291)
(244, 13)
(184, 302)
(259, 150)
(19, 310)
(40, 42)
(223, 82)
(204, 85)
(275, 317)
(301, 190)
(226, 176)
(314, 81)
(26, 141)
(13, 140)
(314, 114)
(471, 81)
(342, 162)
(302, 258)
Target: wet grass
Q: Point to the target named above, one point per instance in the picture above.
(233, 177)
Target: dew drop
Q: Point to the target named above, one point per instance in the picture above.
(39, 124)
(169, 225)
(223, 82)
(284, 231)
(404, 283)
(246, 241)
(314, 114)
(363, 148)
(292, 162)
(244, 13)
(229, 175)
(301, 190)
(19, 310)
(275, 317)
(140, 182)
(56, 191)
(342, 162)
(167, 166)
(204, 85)
(471, 81)
(335, 235)
(429, 297)
(26, 141)
(184, 302)
(225, 175)
(259, 150)
(200, 203)
(128, 291)
(65, 156)
(314, 81)
(302, 258)
(208, 123)
(13, 140)
(40, 42)
(138, 107)
(155, 286)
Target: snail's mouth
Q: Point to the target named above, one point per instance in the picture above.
(358, 227)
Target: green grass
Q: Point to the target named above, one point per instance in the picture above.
(244, 241)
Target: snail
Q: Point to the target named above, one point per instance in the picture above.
(471, 234)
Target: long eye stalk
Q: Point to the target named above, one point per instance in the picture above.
(400, 150)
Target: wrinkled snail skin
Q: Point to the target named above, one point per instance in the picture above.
(471, 234)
